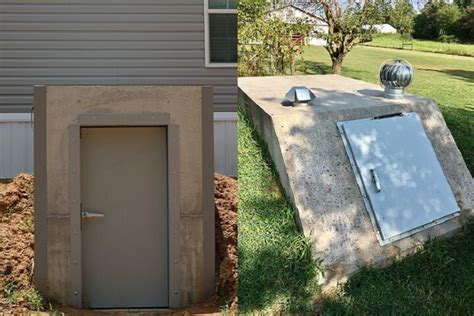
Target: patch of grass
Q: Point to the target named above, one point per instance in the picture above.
(447, 79)
(438, 280)
(276, 269)
(10, 292)
(395, 41)
(15, 295)
(35, 300)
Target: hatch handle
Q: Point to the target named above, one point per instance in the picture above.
(380, 117)
(88, 214)
(376, 180)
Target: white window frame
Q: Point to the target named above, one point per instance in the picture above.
(207, 40)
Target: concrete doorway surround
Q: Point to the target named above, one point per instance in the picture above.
(124, 212)
(317, 174)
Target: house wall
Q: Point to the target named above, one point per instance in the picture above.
(106, 42)
(225, 143)
(48, 42)
(16, 144)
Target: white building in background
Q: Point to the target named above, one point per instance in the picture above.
(382, 28)
(310, 12)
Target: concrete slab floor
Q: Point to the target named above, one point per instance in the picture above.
(316, 174)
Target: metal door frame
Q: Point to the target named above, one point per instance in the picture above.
(125, 120)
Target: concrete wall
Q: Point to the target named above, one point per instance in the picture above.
(64, 42)
(56, 109)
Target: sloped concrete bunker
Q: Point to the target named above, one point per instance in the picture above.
(124, 209)
(370, 178)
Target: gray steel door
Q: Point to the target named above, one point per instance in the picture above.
(124, 217)
(398, 173)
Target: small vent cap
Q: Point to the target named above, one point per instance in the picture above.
(300, 94)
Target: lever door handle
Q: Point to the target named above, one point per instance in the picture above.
(376, 180)
(88, 214)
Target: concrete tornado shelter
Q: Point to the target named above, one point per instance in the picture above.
(124, 209)
(370, 178)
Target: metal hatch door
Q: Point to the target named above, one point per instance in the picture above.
(402, 182)
(124, 217)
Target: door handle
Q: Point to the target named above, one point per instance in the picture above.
(88, 214)
(376, 180)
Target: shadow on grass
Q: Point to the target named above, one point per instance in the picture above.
(465, 75)
(445, 285)
(275, 279)
(460, 122)
(309, 67)
(313, 67)
(276, 270)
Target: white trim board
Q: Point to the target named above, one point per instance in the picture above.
(15, 117)
(225, 116)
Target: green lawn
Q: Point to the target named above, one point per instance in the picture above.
(395, 41)
(447, 79)
(276, 272)
(438, 280)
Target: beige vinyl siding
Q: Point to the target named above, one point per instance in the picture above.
(105, 42)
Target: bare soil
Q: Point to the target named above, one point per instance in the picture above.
(16, 245)
(17, 293)
(225, 195)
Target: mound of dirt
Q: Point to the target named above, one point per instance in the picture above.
(225, 195)
(16, 244)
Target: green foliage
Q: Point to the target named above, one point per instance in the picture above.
(441, 21)
(251, 10)
(468, 25)
(15, 294)
(425, 23)
(10, 292)
(402, 17)
(349, 24)
(266, 44)
(463, 3)
(35, 300)
(448, 19)
(396, 41)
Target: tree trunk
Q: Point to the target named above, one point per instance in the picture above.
(336, 66)
(293, 65)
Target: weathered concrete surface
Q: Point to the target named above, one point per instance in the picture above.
(315, 171)
(59, 108)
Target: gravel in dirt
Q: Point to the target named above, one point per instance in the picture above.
(225, 195)
(17, 293)
(16, 245)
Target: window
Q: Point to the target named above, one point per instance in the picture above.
(221, 33)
